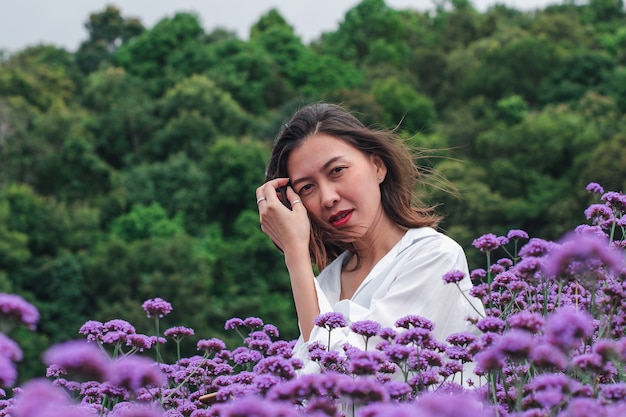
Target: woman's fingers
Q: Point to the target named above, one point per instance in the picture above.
(268, 191)
(294, 199)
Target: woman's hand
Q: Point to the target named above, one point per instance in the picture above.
(289, 229)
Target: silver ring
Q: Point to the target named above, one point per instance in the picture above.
(258, 200)
(295, 202)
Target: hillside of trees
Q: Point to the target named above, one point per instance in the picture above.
(128, 167)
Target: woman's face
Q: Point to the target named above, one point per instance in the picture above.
(337, 183)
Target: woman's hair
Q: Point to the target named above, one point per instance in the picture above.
(397, 190)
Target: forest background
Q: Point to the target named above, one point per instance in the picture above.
(128, 168)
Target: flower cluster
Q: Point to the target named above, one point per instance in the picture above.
(552, 343)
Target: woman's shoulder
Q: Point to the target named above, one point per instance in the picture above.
(418, 238)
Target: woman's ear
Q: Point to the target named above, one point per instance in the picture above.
(381, 168)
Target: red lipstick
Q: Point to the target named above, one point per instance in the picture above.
(340, 218)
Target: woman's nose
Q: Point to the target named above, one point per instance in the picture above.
(329, 195)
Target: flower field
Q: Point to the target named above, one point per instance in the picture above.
(552, 343)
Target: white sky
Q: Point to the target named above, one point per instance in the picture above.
(26, 23)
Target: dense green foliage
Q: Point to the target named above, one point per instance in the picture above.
(128, 167)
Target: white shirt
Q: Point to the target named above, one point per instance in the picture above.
(407, 280)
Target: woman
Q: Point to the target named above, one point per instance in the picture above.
(350, 190)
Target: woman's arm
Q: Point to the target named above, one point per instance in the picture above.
(290, 229)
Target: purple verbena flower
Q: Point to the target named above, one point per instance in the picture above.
(363, 390)
(178, 332)
(526, 320)
(536, 247)
(590, 362)
(40, 398)
(516, 344)
(364, 363)
(279, 367)
(550, 389)
(55, 371)
(81, 359)
(331, 320)
(115, 337)
(134, 372)
(567, 327)
(157, 307)
(599, 213)
(366, 328)
(453, 276)
(490, 359)
(505, 263)
(92, 329)
(615, 392)
(117, 325)
(424, 379)
(232, 324)
(15, 308)
(397, 389)
(615, 200)
(594, 187)
(581, 253)
(157, 340)
(9, 349)
(140, 342)
(243, 356)
(487, 243)
(127, 409)
(387, 333)
(585, 229)
(8, 372)
(212, 345)
(478, 274)
(491, 324)
(243, 406)
(280, 348)
(271, 330)
(416, 335)
(461, 338)
(413, 320)
(517, 234)
(253, 322)
(258, 340)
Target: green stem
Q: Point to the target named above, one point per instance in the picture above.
(159, 358)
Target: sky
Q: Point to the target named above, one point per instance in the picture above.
(27, 23)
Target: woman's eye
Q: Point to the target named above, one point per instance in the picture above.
(336, 170)
(305, 188)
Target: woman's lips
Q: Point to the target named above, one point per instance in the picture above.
(341, 218)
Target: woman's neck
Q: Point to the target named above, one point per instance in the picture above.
(375, 244)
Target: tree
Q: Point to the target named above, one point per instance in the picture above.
(248, 72)
(200, 94)
(107, 30)
(42, 75)
(404, 106)
(122, 114)
(13, 248)
(148, 56)
(370, 23)
(145, 222)
(235, 169)
(319, 75)
(607, 164)
(178, 185)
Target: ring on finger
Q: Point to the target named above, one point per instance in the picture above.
(258, 200)
(295, 202)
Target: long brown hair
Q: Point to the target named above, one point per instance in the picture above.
(397, 190)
